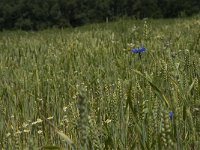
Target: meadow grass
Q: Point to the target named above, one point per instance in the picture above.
(83, 88)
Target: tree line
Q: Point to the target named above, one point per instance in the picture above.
(41, 14)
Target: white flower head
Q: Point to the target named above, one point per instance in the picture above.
(8, 134)
(27, 131)
(65, 108)
(18, 132)
(108, 121)
(39, 132)
(36, 122)
(24, 125)
(50, 118)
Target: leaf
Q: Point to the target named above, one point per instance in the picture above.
(51, 147)
(129, 102)
(184, 112)
(109, 143)
(191, 87)
(65, 137)
(61, 134)
(158, 92)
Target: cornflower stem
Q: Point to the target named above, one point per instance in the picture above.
(140, 56)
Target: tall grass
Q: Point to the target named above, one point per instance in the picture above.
(84, 89)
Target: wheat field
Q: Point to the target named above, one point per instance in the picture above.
(84, 88)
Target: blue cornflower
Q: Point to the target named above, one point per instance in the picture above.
(138, 50)
(171, 115)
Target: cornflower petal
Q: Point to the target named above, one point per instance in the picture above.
(138, 50)
(171, 115)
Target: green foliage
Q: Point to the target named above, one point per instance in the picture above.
(38, 15)
(83, 88)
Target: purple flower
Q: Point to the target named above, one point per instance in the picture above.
(171, 115)
(138, 50)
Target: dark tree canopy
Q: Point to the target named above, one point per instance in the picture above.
(41, 14)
